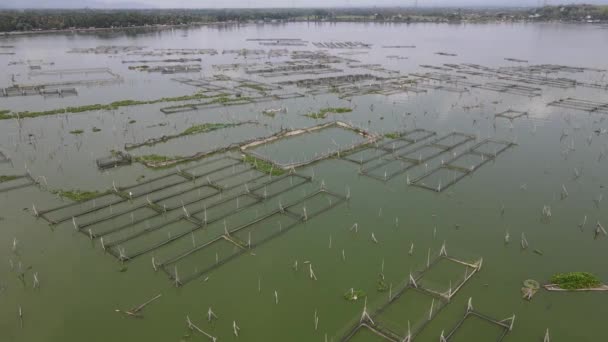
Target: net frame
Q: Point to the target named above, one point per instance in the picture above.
(419, 182)
(411, 285)
(29, 181)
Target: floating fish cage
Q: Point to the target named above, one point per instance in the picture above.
(215, 210)
(453, 170)
(511, 114)
(107, 49)
(510, 88)
(229, 243)
(116, 159)
(408, 156)
(176, 60)
(412, 307)
(331, 81)
(582, 105)
(342, 45)
(17, 182)
(236, 102)
(275, 149)
(471, 326)
(37, 90)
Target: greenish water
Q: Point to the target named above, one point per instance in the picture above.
(81, 286)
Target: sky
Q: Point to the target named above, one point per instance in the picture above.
(273, 3)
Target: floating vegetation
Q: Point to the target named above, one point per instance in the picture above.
(382, 286)
(354, 295)
(77, 131)
(8, 178)
(217, 100)
(77, 195)
(254, 86)
(392, 135)
(110, 106)
(195, 129)
(263, 166)
(4, 114)
(575, 280)
(155, 158)
(95, 129)
(323, 113)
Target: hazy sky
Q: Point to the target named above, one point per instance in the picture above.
(275, 3)
(310, 3)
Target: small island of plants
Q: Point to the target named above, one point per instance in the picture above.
(575, 280)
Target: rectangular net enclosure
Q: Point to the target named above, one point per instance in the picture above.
(221, 209)
(454, 169)
(421, 152)
(401, 140)
(264, 229)
(242, 177)
(120, 233)
(68, 211)
(365, 155)
(315, 204)
(96, 224)
(149, 234)
(188, 195)
(510, 88)
(278, 185)
(477, 326)
(412, 306)
(207, 233)
(386, 170)
(211, 245)
(211, 166)
(367, 333)
(8, 183)
(153, 185)
(408, 313)
(149, 240)
(581, 104)
(511, 114)
(320, 142)
(201, 260)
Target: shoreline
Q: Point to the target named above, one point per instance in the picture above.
(9, 34)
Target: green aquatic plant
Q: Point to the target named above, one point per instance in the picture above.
(155, 158)
(353, 295)
(263, 166)
(220, 99)
(95, 129)
(324, 112)
(77, 132)
(4, 114)
(575, 280)
(132, 121)
(207, 127)
(8, 178)
(381, 286)
(392, 135)
(77, 195)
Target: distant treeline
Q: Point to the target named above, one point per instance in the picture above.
(28, 20)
